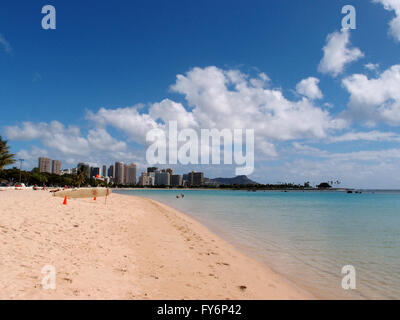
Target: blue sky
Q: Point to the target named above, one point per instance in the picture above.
(125, 56)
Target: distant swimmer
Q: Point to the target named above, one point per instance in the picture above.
(182, 195)
(177, 196)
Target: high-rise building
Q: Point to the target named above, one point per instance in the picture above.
(111, 171)
(162, 179)
(152, 178)
(56, 167)
(125, 173)
(104, 171)
(130, 174)
(146, 179)
(143, 179)
(198, 178)
(195, 178)
(190, 178)
(119, 173)
(94, 172)
(176, 180)
(170, 171)
(152, 169)
(85, 167)
(44, 165)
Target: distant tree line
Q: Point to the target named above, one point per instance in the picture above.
(34, 177)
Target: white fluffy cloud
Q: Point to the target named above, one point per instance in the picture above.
(309, 88)
(372, 66)
(226, 99)
(215, 98)
(168, 110)
(31, 156)
(129, 119)
(67, 142)
(377, 99)
(393, 5)
(337, 53)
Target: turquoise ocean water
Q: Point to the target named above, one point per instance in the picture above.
(306, 236)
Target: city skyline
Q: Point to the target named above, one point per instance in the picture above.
(126, 174)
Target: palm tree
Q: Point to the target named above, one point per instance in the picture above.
(81, 177)
(6, 157)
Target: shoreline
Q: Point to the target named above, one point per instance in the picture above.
(129, 248)
(233, 189)
(234, 246)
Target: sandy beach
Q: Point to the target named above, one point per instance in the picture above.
(127, 248)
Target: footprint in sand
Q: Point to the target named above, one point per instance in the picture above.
(123, 270)
(67, 279)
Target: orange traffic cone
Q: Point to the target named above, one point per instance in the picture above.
(94, 198)
(65, 200)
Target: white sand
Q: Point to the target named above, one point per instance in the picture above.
(129, 248)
